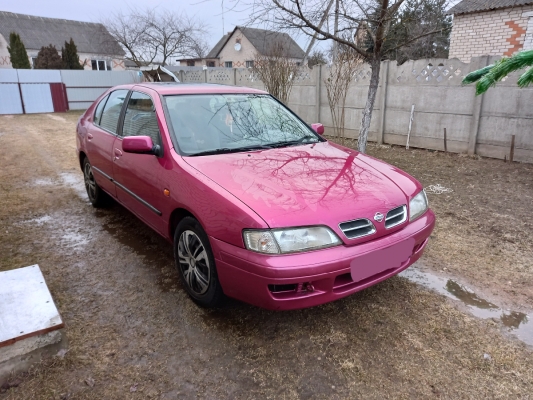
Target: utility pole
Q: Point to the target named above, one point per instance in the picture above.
(313, 40)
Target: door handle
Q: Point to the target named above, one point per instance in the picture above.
(89, 136)
(118, 154)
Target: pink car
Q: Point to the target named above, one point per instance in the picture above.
(257, 204)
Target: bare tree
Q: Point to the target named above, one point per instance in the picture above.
(149, 35)
(341, 74)
(276, 70)
(200, 48)
(317, 57)
(363, 25)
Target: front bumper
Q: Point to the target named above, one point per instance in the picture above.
(257, 278)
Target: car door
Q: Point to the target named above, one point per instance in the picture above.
(101, 135)
(137, 176)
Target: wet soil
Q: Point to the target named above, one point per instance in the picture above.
(133, 333)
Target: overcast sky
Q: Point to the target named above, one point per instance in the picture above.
(209, 11)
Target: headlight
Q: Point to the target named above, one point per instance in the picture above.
(418, 205)
(277, 241)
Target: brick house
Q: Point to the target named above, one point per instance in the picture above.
(491, 27)
(237, 48)
(97, 49)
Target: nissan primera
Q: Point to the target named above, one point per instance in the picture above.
(256, 203)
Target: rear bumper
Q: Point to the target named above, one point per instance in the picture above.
(251, 277)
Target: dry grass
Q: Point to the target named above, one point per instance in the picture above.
(133, 333)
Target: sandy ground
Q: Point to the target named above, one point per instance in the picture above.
(133, 333)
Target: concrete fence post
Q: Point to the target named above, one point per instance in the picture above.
(476, 112)
(205, 75)
(318, 91)
(384, 79)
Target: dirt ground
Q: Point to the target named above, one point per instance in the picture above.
(133, 333)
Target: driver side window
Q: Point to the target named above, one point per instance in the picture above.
(141, 118)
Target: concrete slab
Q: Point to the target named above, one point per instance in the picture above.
(26, 307)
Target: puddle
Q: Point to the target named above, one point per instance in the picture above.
(151, 253)
(517, 322)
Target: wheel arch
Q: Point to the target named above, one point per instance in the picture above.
(82, 158)
(175, 217)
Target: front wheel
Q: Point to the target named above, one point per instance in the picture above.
(196, 264)
(97, 196)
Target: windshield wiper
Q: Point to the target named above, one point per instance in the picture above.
(226, 150)
(294, 142)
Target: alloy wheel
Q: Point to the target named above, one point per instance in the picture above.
(194, 263)
(90, 183)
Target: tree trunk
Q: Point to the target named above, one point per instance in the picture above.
(375, 65)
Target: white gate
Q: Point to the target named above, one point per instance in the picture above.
(10, 99)
(37, 98)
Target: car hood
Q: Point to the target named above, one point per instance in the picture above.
(316, 184)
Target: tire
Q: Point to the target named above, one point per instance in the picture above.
(196, 264)
(97, 196)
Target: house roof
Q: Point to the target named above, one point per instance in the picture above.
(37, 32)
(215, 50)
(261, 39)
(470, 6)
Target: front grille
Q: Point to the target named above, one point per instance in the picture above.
(396, 216)
(357, 228)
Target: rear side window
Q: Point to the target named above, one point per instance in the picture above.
(140, 118)
(111, 113)
(99, 109)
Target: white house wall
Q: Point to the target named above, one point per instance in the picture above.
(5, 62)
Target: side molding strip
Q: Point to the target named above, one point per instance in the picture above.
(102, 173)
(152, 208)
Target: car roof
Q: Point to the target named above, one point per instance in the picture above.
(169, 88)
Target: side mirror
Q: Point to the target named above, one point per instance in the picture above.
(139, 145)
(318, 128)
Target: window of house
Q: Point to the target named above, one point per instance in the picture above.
(141, 118)
(111, 113)
(33, 60)
(190, 63)
(210, 63)
(228, 64)
(100, 65)
(249, 64)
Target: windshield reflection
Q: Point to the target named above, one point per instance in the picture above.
(214, 123)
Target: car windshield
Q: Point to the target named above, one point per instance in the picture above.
(224, 123)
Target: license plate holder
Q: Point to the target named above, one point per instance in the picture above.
(377, 261)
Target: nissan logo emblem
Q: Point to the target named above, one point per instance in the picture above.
(378, 217)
